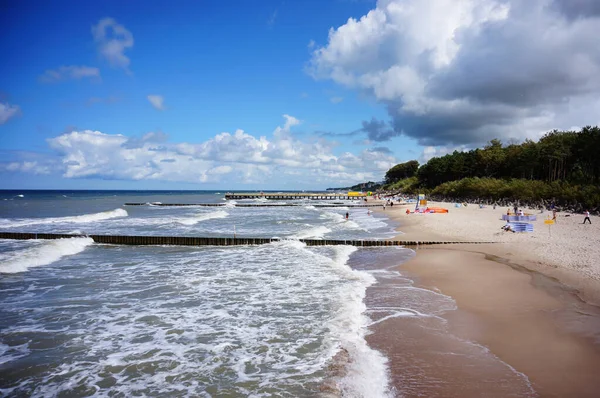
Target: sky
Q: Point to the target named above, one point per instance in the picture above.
(311, 94)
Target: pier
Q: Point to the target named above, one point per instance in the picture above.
(217, 241)
(293, 196)
(252, 205)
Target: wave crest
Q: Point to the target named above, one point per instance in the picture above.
(42, 254)
(84, 218)
(195, 219)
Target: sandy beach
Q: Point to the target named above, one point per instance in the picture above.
(525, 320)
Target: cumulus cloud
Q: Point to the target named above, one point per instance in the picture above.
(112, 40)
(8, 111)
(157, 101)
(70, 72)
(232, 158)
(456, 72)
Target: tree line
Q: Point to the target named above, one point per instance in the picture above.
(563, 164)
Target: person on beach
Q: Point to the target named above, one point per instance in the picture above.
(508, 211)
(347, 215)
(507, 228)
(407, 212)
(554, 215)
(587, 217)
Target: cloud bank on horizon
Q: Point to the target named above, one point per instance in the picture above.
(450, 74)
(235, 158)
(454, 72)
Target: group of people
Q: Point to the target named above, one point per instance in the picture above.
(519, 212)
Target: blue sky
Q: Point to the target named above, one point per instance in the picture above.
(149, 95)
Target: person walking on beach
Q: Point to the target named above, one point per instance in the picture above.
(587, 217)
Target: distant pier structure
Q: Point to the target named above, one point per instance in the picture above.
(295, 195)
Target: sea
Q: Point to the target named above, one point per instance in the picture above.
(282, 319)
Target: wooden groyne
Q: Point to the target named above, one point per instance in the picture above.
(290, 195)
(250, 205)
(217, 241)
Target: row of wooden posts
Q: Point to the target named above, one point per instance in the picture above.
(215, 241)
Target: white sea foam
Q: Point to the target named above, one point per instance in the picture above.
(196, 218)
(367, 370)
(10, 353)
(42, 253)
(317, 232)
(220, 311)
(20, 196)
(336, 217)
(254, 319)
(84, 218)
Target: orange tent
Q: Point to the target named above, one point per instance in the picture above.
(436, 210)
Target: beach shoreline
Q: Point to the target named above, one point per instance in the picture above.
(539, 319)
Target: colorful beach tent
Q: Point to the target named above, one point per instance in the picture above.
(436, 210)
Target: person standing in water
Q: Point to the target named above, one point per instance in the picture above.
(347, 215)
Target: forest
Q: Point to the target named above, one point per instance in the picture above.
(563, 166)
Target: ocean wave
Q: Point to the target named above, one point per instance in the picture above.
(367, 370)
(84, 218)
(317, 232)
(196, 218)
(341, 221)
(43, 253)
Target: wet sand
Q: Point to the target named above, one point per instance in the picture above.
(513, 330)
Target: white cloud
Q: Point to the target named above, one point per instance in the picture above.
(26, 167)
(157, 101)
(112, 40)
(70, 72)
(430, 152)
(336, 100)
(238, 158)
(8, 111)
(464, 71)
